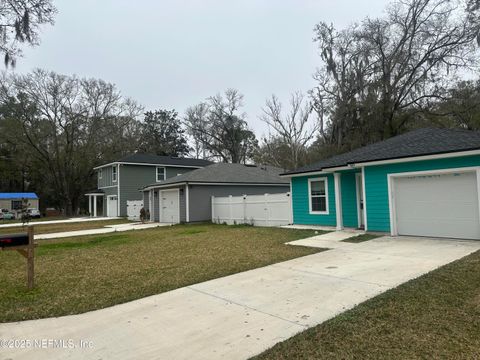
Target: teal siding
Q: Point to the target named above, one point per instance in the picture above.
(300, 200)
(376, 185)
(349, 199)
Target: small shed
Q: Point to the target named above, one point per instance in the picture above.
(13, 201)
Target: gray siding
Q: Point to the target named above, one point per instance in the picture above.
(201, 203)
(156, 206)
(106, 179)
(132, 179)
(146, 202)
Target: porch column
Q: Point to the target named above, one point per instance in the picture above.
(338, 201)
(89, 205)
(95, 205)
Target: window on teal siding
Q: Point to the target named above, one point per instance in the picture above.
(318, 196)
(114, 173)
(161, 174)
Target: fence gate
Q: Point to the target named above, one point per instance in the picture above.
(258, 210)
(133, 209)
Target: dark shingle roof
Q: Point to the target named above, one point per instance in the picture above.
(163, 160)
(229, 173)
(420, 142)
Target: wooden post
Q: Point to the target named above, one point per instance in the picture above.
(30, 258)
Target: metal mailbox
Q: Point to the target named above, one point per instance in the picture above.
(12, 240)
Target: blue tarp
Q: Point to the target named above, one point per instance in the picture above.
(18, 196)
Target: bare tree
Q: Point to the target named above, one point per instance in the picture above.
(66, 126)
(221, 129)
(20, 22)
(293, 130)
(375, 75)
(196, 118)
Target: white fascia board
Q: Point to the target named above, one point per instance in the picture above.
(386, 162)
(419, 158)
(321, 172)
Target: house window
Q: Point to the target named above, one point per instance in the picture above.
(161, 174)
(318, 195)
(100, 173)
(114, 174)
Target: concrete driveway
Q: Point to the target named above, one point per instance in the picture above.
(241, 315)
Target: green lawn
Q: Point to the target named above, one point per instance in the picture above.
(436, 316)
(86, 273)
(50, 218)
(61, 227)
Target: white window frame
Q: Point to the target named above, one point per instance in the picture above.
(114, 174)
(327, 211)
(100, 173)
(164, 173)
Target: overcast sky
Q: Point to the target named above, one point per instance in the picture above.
(173, 54)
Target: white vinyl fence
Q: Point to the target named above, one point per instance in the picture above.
(258, 210)
(133, 209)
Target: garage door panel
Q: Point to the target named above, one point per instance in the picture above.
(438, 205)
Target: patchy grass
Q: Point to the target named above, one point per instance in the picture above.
(54, 228)
(361, 238)
(86, 273)
(436, 316)
(50, 218)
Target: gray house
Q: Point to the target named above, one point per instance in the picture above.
(187, 198)
(120, 181)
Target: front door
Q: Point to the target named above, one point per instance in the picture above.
(170, 206)
(112, 206)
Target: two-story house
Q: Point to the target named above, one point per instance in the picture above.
(121, 181)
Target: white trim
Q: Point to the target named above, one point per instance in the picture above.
(106, 187)
(291, 202)
(327, 211)
(320, 172)
(420, 158)
(365, 223)
(89, 204)
(118, 191)
(391, 188)
(147, 164)
(338, 201)
(164, 173)
(187, 204)
(478, 189)
(358, 177)
(115, 179)
(385, 162)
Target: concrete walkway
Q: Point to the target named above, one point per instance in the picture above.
(66, 221)
(238, 316)
(104, 230)
(331, 240)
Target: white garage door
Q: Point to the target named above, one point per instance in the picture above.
(169, 206)
(437, 205)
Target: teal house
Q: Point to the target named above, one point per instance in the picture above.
(422, 183)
